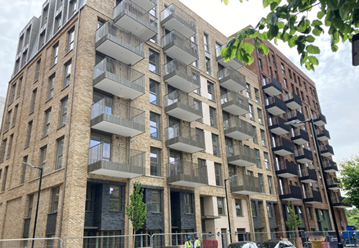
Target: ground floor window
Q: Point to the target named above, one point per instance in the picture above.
(104, 239)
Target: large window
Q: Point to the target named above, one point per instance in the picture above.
(67, 74)
(256, 94)
(220, 205)
(154, 62)
(254, 135)
(70, 39)
(261, 183)
(155, 201)
(63, 114)
(206, 42)
(188, 203)
(215, 144)
(263, 137)
(260, 118)
(251, 112)
(154, 125)
(155, 158)
(213, 117)
(55, 199)
(154, 92)
(218, 173)
(208, 66)
(59, 153)
(248, 90)
(266, 160)
(258, 157)
(50, 90)
(269, 210)
(115, 198)
(210, 91)
(55, 53)
(238, 203)
(270, 185)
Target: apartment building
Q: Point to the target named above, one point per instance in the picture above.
(288, 95)
(107, 93)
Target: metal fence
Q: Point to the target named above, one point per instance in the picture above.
(27, 243)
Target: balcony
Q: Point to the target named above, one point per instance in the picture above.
(140, 22)
(312, 197)
(237, 128)
(181, 76)
(231, 79)
(174, 18)
(282, 147)
(116, 161)
(333, 183)
(330, 166)
(179, 47)
(322, 134)
(271, 86)
(183, 106)
(326, 150)
(291, 193)
(233, 63)
(241, 155)
(118, 79)
(275, 106)
(117, 118)
(338, 202)
(292, 101)
(146, 4)
(234, 103)
(295, 115)
(307, 175)
(286, 169)
(276, 125)
(319, 119)
(187, 174)
(184, 138)
(303, 155)
(244, 184)
(119, 44)
(299, 136)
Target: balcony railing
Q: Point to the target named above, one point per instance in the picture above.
(330, 166)
(312, 196)
(181, 76)
(232, 79)
(146, 4)
(271, 86)
(319, 119)
(275, 106)
(323, 134)
(291, 193)
(326, 150)
(118, 161)
(299, 136)
(303, 155)
(119, 79)
(277, 126)
(244, 184)
(240, 155)
(183, 106)
(292, 100)
(237, 128)
(307, 175)
(295, 115)
(187, 174)
(286, 169)
(282, 147)
(338, 202)
(184, 138)
(234, 103)
(333, 183)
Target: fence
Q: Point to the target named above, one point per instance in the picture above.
(27, 243)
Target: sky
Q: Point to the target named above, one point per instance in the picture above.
(337, 81)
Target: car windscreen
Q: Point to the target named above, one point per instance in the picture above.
(268, 245)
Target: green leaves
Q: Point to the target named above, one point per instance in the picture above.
(263, 49)
(313, 49)
(137, 209)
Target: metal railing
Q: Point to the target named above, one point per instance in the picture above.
(176, 65)
(278, 142)
(240, 124)
(111, 107)
(246, 152)
(270, 80)
(183, 98)
(292, 190)
(137, 11)
(119, 70)
(180, 15)
(286, 165)
(188, 169)
(327, 163)
(289, 96)
(328, 148)
(184, 132)
(332, 181)
(120, 34)
(237, 98)
(244, 182)
(239, 77)
(185, 43)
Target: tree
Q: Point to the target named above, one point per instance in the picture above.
(293, 221)
(289, 22)
(137, 209)
(349, 180)
(353, 217)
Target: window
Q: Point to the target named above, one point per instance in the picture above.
(24, 56)
(154, 125)
(260, 64)
(73, 6)
(31, 202)
(55, 53)
(238, 207)
(29, 129)
(55, 199)
(254, 135)
(43, 157)
(285, 83)
(273, 60)
(213, 117)
(15, 115)
(34, 92)
(10, 145)
(88, 198)
(251, 112)
(261, 183)
(5, 177)
(63, 113)
(188, 203)
(154, 62)
(59, 153)
(248, 90)
(154, 92)
(276, 74)
(115, 198)
(8, 120)
(13, 90)
(260, 119)
(3, 150)
(218, 173)
(155, 159)
(58, 24)
(208, 66)
(266, 160)
(263, 137)
(231, 170)
(269, 210)
(215, 144)
(47, 122)
(210, 88)
(258, 157)
(100, 23)
(70, 39)
(309, 212)
(220, 205)
(50, 89)
(23, 170)
(19, 88)
(270, 185)
(206, 42)
(37, 73)
(256, 94)
(156, 201)
(67, 74)
(254, 209)
(283, 69)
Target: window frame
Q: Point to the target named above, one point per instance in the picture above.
(50, 90)
(213, 116)
(220, 207)
(55, 195)
(67, 74)
(29, 132)
(158, 165)
(55, 53)
(47, 122)
(71, 36)
(33, 101)
(240, 207)
(156, 203)
(218, 174)
(63, 113)
(155, 63)
(215, 145)
(188, 203)
(37, 72)
(270, 185)
(210, 90)
(157, 127)
(155, 94)
(59, 152)
(116, 199)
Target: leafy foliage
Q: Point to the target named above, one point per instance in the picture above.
(353, 217)
(137, 209)
(293, 220)
(288, 22)
(349, 180)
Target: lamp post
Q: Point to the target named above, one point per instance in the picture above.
(340, 245)
(38, 200)
(229, 221)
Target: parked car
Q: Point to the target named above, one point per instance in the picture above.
(276, 244)
(243, 244)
